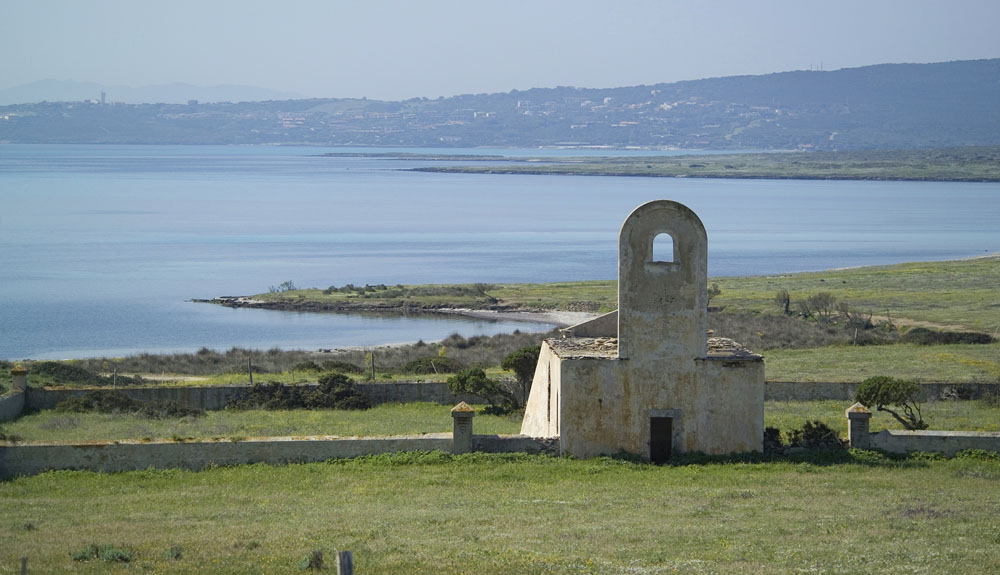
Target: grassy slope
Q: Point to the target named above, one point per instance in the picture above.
(517, 514)
(415, 418)
(956, 164)
(960, 293)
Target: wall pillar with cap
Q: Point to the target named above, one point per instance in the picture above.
(858, 417)
(461, 433)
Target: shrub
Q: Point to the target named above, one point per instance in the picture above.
(5, 436)
(313, 561)
(108, 401)
(501, 400)
(62, 373)
(924, 336)
(893, 396)
(333, 391)
(104, 552)
(772, 438)
(436, 364)
(814, 435)
(523, 362)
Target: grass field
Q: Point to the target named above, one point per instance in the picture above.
(926, 363)
(385, 419)
(416, 418)
(855, 512)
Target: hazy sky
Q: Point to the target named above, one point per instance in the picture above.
(396, 49)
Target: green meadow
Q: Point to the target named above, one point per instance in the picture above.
(850, 512)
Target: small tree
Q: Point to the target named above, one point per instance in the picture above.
(897, 397)
(713, 291)
(474, 381)
(784, 300)
(522, 362)
(820, 306)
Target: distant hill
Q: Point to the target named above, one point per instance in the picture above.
(888, 106)
(176, 93)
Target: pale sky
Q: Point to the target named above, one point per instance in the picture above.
(398, 49)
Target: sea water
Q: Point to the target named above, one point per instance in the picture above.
(103, 247)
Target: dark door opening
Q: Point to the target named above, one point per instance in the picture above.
(661, 438)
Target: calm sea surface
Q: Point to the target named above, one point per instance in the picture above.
(101, 247)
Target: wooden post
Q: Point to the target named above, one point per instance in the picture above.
(24, 566)
(250, 369)
(345, 563)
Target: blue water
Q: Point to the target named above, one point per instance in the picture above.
(101, 247)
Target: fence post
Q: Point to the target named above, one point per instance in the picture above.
(461, 431)
(857, 426)
(345, 563)
(19, 378)
(24, 566)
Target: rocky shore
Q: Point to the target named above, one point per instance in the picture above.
(496, 313)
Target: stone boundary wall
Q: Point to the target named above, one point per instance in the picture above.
(110, 457)
(845, 391)
(945, 442)
(11, 406)
(215, 397)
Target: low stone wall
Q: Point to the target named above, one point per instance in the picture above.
(945, 442)
(11, 406)
(845, 391)
(216, 397)
(108, 457)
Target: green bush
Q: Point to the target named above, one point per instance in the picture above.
(5, 436)
(108, 401)
(104, 552)
(474, 381)
(523, 362)
(436, 364)
(814, 435)
(333, 391)
(924, 336)
(63, 373)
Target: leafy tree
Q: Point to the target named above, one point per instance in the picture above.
(713, 291)
(474, 381)
(897, 397)
(522, 362)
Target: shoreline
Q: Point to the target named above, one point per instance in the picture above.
(555, 318)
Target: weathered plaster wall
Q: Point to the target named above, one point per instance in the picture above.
(944, 442)
(541, 417)
(716, 405)
(662, 304)
(11, 406)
